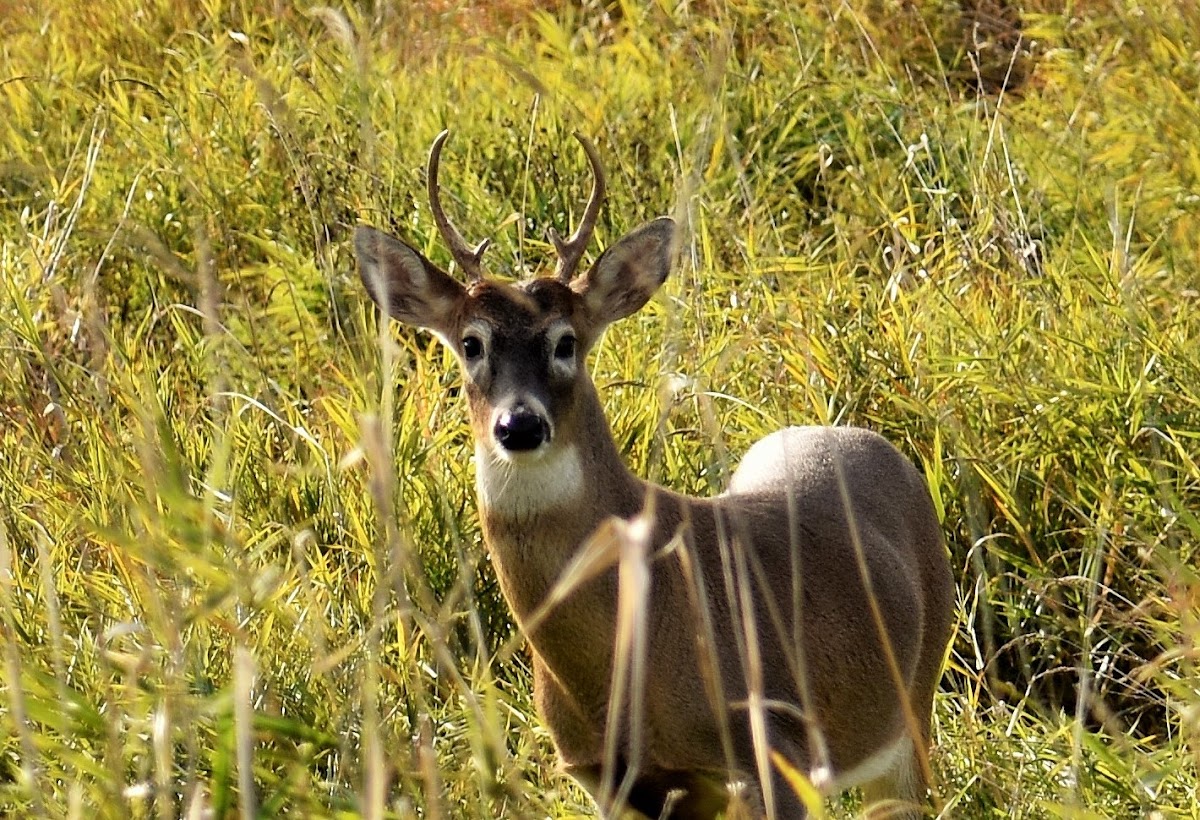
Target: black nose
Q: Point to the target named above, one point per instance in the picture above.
(521, 429)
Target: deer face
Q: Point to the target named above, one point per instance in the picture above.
(521, 354)
(522, 347)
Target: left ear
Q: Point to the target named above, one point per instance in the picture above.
(627, 274)
(405, 284)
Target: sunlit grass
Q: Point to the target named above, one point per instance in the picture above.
(239, 562)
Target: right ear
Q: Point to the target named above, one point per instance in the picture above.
(406, 285)
(627, 274)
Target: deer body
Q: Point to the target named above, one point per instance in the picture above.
(759, 601)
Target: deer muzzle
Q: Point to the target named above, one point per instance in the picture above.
(521, 429)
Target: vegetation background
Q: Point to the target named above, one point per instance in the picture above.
(240, 570)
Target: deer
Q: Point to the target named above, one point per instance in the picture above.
(796, 622)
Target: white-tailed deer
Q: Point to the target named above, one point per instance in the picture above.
(801, 616)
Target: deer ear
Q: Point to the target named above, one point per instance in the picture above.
(406, 285)
(627, 274)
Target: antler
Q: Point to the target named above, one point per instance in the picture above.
(571, 251)
(466, 257)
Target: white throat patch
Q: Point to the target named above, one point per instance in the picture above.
(528, 485)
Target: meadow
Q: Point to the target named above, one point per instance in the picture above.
(240, 567)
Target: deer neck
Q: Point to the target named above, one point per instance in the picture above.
(537, 514)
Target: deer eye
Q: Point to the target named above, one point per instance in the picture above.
(565, 349)
(472, 347)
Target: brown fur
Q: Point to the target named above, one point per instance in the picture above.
(768, 570)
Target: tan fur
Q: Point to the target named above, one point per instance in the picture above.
(756, 609)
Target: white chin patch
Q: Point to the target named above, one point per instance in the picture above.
(530, 482)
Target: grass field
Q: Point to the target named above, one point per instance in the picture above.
(240, 567)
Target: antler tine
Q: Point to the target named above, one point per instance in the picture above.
(467, 258)
(571, 250)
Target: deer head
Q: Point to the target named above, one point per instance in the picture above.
(521, 346)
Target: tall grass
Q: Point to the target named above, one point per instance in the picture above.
(240, 569)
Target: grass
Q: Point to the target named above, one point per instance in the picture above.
(240, 568)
